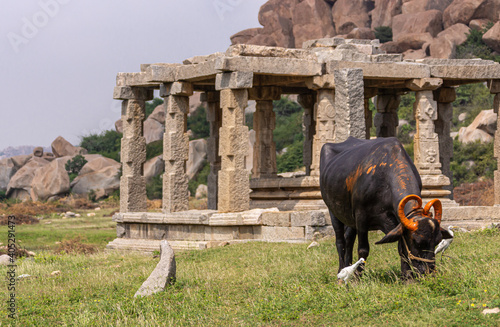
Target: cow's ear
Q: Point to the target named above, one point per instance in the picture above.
(393, 236)
(445, 234)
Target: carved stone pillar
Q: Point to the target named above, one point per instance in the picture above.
(234, 185)
(307, 101)
(324, 116)
(369, 93)
(175, 145)
(264, 122)
(214, 117)
(426, 145)
(444, 97)
(386, 118)
(349, 104)
(494, 86)
(133, 148)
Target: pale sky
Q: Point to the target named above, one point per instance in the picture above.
(59, 58)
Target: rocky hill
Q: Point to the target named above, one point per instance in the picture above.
(421, 28)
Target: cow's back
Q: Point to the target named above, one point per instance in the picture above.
(364, 174)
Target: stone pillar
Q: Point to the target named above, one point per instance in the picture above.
(214, 117)
(234, 184)
(369, 93)
(444, 97)
(386, 118)
(264, 122)
(133, 148)
(175, 145)
(324, 116)
(494, 86)
(307, 101)
(426, 145)
(349, 104)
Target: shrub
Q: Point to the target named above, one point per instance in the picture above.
(472, 161)
(74, 165)
(154, 189)
(383, 33)
(107, 143)
(198, 124)
(200, 178)
(292, 159)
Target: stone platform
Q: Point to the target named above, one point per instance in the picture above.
(201, 229)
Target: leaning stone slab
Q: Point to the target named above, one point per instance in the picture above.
(250, 50)
(163, 275)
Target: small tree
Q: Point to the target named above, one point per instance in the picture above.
(74, 166)
(383, 33)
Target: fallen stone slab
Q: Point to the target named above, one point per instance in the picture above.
(162, 275)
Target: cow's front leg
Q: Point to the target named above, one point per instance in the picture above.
(338, 227)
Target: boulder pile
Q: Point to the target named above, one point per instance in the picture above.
(421, 28)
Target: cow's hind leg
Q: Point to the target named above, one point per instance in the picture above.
(363, 247)
(350, 237)
(338, 227)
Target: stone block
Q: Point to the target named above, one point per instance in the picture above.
(176, 105)
(323, 43)
(308, 218)
(196, 71)
(201, 59)
(282, 233)
(164, 73)
(280, 219)
(185, 232)
(446, 95)
(269, 65)
(321, 82)
(175, 191)
(494, 86)
(401, 70)
(177, 88)
(236, 80)
(496, 103)
(466, 72)
(133, 149)
(234, 141)
(233, 99)
(391, 57)
(221, 233)
(246, 232)
(175, 146)
(318, 232)
(134, 79)
(349, 104)
(420, 84)
(234, 190)
(132, 93)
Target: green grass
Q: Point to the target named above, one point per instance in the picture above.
(258, 284)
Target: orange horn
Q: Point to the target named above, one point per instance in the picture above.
(409, 224)
(438, 209)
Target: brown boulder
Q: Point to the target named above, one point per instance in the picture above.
(19, 186)
(460, 11)
(7, 170)
(276, 18)
(197, 155)
(153, 130)
(482, 128)
(492, 37)
(489, 9)
(311, 19)
(424, 5)
(362, 33)
(38, 151)
(245, 36)
(349, 14)
(422, 22)
(119, 126)
(414, 54)
(384, 11)
(49, 181)
(100, 176)
(61, 148)
(390, 47)
(478, 24)
(444, 46)
(21, 160)
(413, 41)
(153, 167)
(158, 114)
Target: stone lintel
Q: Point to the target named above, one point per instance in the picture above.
(134, 79)
(401, 70)
(163, 73)
(132, 93)
(176, 88)
(466, 72)
(235, 80)
(445, 94)
(321, 82)
(270, 65)
(494, 85)
(421, 84)
(251, 50)
(370, 92)
(264, 93)
(306, 100)
(195, 71)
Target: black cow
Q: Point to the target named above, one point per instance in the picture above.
(374, 185)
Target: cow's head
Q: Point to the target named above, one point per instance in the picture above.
(418, 234)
